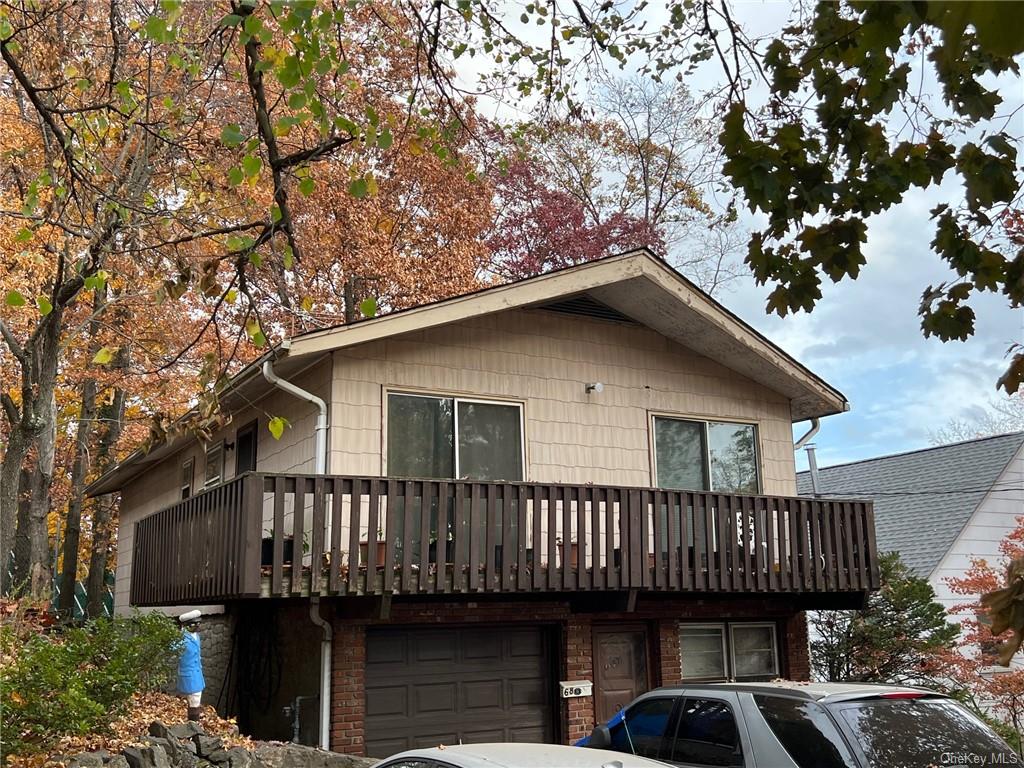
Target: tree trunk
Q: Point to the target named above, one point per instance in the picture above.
(99, 555)
(10, 480)
(32, 574)
(111, 420)
(79, 472)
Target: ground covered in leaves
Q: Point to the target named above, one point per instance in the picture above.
(129, 730)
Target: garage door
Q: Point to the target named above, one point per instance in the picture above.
(426, 687)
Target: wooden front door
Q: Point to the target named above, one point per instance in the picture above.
(620, 669)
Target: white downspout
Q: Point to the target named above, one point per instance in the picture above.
(320, 468)
(815, 426)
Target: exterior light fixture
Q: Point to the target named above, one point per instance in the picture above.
(597, 387)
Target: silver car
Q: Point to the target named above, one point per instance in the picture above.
(786, 724)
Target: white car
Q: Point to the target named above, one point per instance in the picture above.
(514, 756)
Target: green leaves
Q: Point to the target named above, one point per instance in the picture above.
(255, 334)
(277, 425)
(231, 135)
(43, 305)
(368, 307)
(103, 356)
(14, 299)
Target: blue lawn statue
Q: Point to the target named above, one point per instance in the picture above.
(190, 665)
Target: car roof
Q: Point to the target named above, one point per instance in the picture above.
(528, 756)
(814, 691)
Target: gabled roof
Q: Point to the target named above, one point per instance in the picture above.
(923, 499)
(634, 287)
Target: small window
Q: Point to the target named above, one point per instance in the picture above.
(703, 652)
(446, 437)
(214, 463)
(188, 471)
(705, 456)
(729, 651)
(707, 735)
(806, 732)
(643, 726)
(754, 654)
(245, 449)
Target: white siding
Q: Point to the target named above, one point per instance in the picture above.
(995, 517)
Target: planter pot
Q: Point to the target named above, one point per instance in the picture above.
(267, 550)
(379, 553)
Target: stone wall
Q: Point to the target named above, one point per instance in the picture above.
(216, 634)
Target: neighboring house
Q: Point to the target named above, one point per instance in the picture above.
(940, 507)
(586, 477)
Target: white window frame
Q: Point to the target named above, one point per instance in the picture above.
(190, 462)
(456, 399)
(728, 648)
(705, 421)
(217, 447)
(752, 625)
(726, 661)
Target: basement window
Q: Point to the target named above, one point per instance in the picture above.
(453, 437)
(745, 651)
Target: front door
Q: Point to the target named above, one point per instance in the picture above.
(620, 669)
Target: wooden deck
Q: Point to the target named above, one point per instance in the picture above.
(262, 535)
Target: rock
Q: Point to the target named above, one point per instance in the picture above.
(86, 760)
(184, 730)
(117, 761)
(298, 756)
(207, 744)
(103, 755)
(158, 729)
(186, 758)
(170, 746)
(146, 757)
(239, 757)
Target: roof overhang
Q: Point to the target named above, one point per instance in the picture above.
(636, 284)
(246, 387)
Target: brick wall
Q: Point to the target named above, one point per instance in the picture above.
(348, 703)
(796, 647)
(578, 664)
(575, 652)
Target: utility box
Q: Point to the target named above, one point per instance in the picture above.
(574, 689)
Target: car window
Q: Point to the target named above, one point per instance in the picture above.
(643, 726)
(921, 732)
(414, 762)
(706, 735)
(806, 732)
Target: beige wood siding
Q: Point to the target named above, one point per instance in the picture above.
(159, 486)
(544, 359)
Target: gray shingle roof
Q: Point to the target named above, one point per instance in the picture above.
(922, 498)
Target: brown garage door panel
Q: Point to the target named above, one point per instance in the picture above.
(441, 686)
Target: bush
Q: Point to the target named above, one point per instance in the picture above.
(77, 680)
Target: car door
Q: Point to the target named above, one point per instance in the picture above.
(709, 731)
(643, 728)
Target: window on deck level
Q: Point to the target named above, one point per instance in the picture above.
(448, 437)
(705, 455)
(214, 464)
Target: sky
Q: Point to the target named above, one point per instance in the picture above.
(864, 336)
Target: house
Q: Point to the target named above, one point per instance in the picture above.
(497, 517)
(939, 507)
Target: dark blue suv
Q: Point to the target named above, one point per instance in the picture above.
(801, 725)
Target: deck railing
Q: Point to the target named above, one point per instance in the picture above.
(281, 535)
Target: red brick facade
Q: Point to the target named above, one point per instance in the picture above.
(660, 615)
